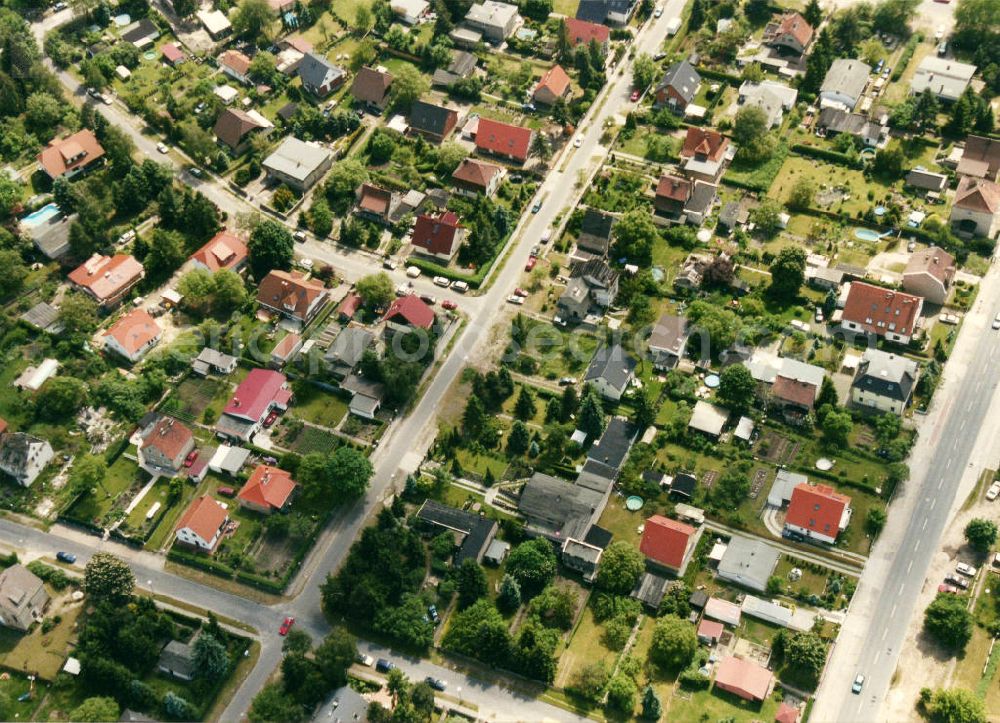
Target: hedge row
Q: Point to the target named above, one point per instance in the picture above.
(261, 583)
(904, 59)
(202, 563)
(827, 155)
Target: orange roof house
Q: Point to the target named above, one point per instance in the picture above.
(107, 278)
(555, 84)
(409, 312)
(291, 294)
(584, 31)
(267, 490)
(472, 177)
(818, 512)
(71, 155)
(133, 335)
(792, 33)
(202, 524)
(890, 314)
(744, 678)
(503, 139)
(667, 542)
(167, 444)
(224, 251)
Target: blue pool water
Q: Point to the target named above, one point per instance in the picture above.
(42, 215)
(866, 234)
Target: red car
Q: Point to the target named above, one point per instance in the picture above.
(635, 95)
(269, 420)
(532, 260)
(944, 587)
(449, 304)
(520, 292)
(227, 491)
(286, 626)
(189, 460)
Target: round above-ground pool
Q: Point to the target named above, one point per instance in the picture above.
(824, 465)
(866, 234)
(123, 20)
(633, 503)
(712, 381)
(37, 218)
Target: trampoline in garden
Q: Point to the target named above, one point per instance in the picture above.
(712, 381)
(824, 465)
(633, 503)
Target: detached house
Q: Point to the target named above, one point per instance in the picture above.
(234, 128)
(929, 274)
(788, 384)
(133, 335)
(610, 372)
(818, 512)
(371, 87)
(976, 210)
(553, 86)
(319, 76)
(980, 158)
(165, 444)
(439, 236)
(844, 83)
(892, 315)
(268, 490)
(495, 20)
(705, 154)
(23, 457)
(262, 392)
(433, 122)
(22, 598)
(408, 313)
(292, 295)
(71, 156)
(223, 251)
(298, 164)
(668, 341)
(595, 232)
(946, 78)
(107, 279)
(668, 543)
(791, 34)
(684, 200)
(472, 177)
(678, 87)
(236, 65)
(202, 524)
(584, 32)
(592, 288)
(376, 203)
(884, 381)
(503, 140)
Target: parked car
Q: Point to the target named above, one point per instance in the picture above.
(227, 491)
(819, 316)
(384, 666)
(859, 683)
(433, 611)
(435, 683)
(449, 304)
(299, 236)
(658, 13)
(996, 321)
(460, 286)
(993, 492)
(389, 264)
(567, 381)
(536, 207)
(441, 281)
(365, 660)
(162, 147)
(635, 95)
(403, 290)
(950, 589)
(546, 235)
(196, 172)
(428, 299)
(413, 272)
(93, 92)
(270, 419)
(520, 292)
(514, 299)
(68, 557)
(957, 581)
(286, 626)
(59, 6)
(532, 260)
(659, 56)
(577, 142)
(189, 460)
(964, 568)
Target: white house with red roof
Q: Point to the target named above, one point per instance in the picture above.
(503, 140)
(225, 250)
(818, 512)
(262, 392)
(554, 85)
(133, 335)
(165, 444)
(409, 312)
(976, 210)
(792, 33)
(583, 32)
(667, 543)
(473, 177)
(107, 279)
(438, 235)
(892, 315)
(292, 295)
(269, 489)
(202, 524)
(72, 155)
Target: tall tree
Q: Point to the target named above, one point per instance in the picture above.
(108, 578)
(787, 274)
(271, 247)
(472, 583)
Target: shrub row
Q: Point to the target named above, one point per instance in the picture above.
(202, 563)
(827, 155)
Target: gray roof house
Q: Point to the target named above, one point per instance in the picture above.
(781, 489)
(679, 86)
(946, 78)
(650, 590)
(366, 396)
(582, 557)
(833, 121)
(495, 20)
(748, 563)
(610, 371)
(346, 351)
(668, 340)
(595, 231)
(924, 180)
(844, 83)
(209, 360)
(23, 457)
(592, 288)
(559, 510)
(433, 122)
(771, 97)
(473, 533)
(319, 76)
(141, 33)
(606, 12)
(177, 660)
(22, 597)
(610, 450)
(298, 164)
(461, 66)
(884, 381)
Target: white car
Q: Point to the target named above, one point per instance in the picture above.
(299, 236)
(964, 568)
(162, 147)
(577, 142)
(993, 492)
(127, 236)
(365, 660)
(441, 281)
(403, 290)
(658, 13)
(413, 272)
(859, 683)
(515, 299)
(460, 286)
(996, 321)
(306, 263)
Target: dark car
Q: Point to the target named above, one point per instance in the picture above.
(432, 609)
(435, 683)
(68, 557)
(384, 666)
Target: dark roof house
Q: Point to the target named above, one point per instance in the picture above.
(433, 122)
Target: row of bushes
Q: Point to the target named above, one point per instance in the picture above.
(825, 154)
(904, 59)
(264, 583)
(200, 562)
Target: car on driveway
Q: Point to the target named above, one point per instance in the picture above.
(449, 305)
(68, 557)
(957, 581)
(384, 666)
(365, 660)
(532, 260)
(636, 94)
(859, 683)
(189, 460)
(964, 568)
(993, 492)
(435, 683)
(514, 299)
(286, 625)
(162, 147)
(950, 589)
(441, 281)
(520, 292)
(270, 419)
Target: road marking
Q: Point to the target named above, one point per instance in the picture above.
(893, 613)
(933, 502)
(924, 526)
(917, 546)
(900, 591)
(941, 481)
(885, 631)
(909, 567)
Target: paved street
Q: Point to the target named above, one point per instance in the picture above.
(957, 440)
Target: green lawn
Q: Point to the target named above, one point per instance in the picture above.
(477, 463)
(585, 647)
(193, 396)
(318, 406)
(37, 652)
(158, 493)
(717, 705)
(566, 7)
(823, 174)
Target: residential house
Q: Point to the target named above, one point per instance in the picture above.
(285, 350)
(833, 121)
(748, 562)
(473, 177)
(107, 279)
(177, 660)
(407, 313)
(349, 307)
(495, 20)
(929, 274)
(347, 349)
(692, 272)
(209, 360)
(650, 591)
(433, 122)
(787, 713)
(610, 371)
(376, 203)
(371, 86)
(172, 55)
(473, 533)
(818, 512)
(710, 631)
(215, 22)
(933, 184)
(684, 200)
(133, 335)
(23, 456)
(616, 13)
(559, 510)
(744, 678)
(22, 598)
(844, 83)
(734, 215)
(668, 341)
(319, 76)
(791, 34)
(980, 158)
(461, 66)
(774, 98)
(202, 524)
(668, 543)
(946, 78)
(709, 419)
(260, 393)
(976, 210)
(72, 155)
(234, 128)
(581, 557)
(165, 445)
(298, 164)
(504, 140)
(678, 87)
(884, 381)
(268, 489)
(410, 12)
(592, 288)
(225, 250)
(595, 232)
(292, 295)
(141, 33)
(705, 154)
(583, 32)
(366, 395)
(554, 85)
(438, 235)
(787, 384)
(236, 65)
(784, 483)
(892, 315)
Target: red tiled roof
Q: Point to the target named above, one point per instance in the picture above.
(934, 261)
(374, 199)
(412, 310)
(710, 629)
(172, 53)
(665, 540)
(794, 391)
(255, 394)
(107, 276)
(268, 487)
(743, 678)
(287, 346)
(555, 80)
(436, 234)
(70, 153)
(169, 436)
(476, 172)
(223, 251)
(977, 194)
(880, 310)
(204, 517)
(134, 330)
(349, 306)
(795, 25)
(817, 507)
(233, 125)
(583, 31)
(673, 187)
(235, 61)
(704, 142)
(503, 138)
(290, 292)
(371, 85)
(786, 714)
(299, 43)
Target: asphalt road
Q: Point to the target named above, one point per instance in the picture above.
(950, 450)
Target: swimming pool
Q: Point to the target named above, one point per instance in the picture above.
(866, 234)
(42, 215)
